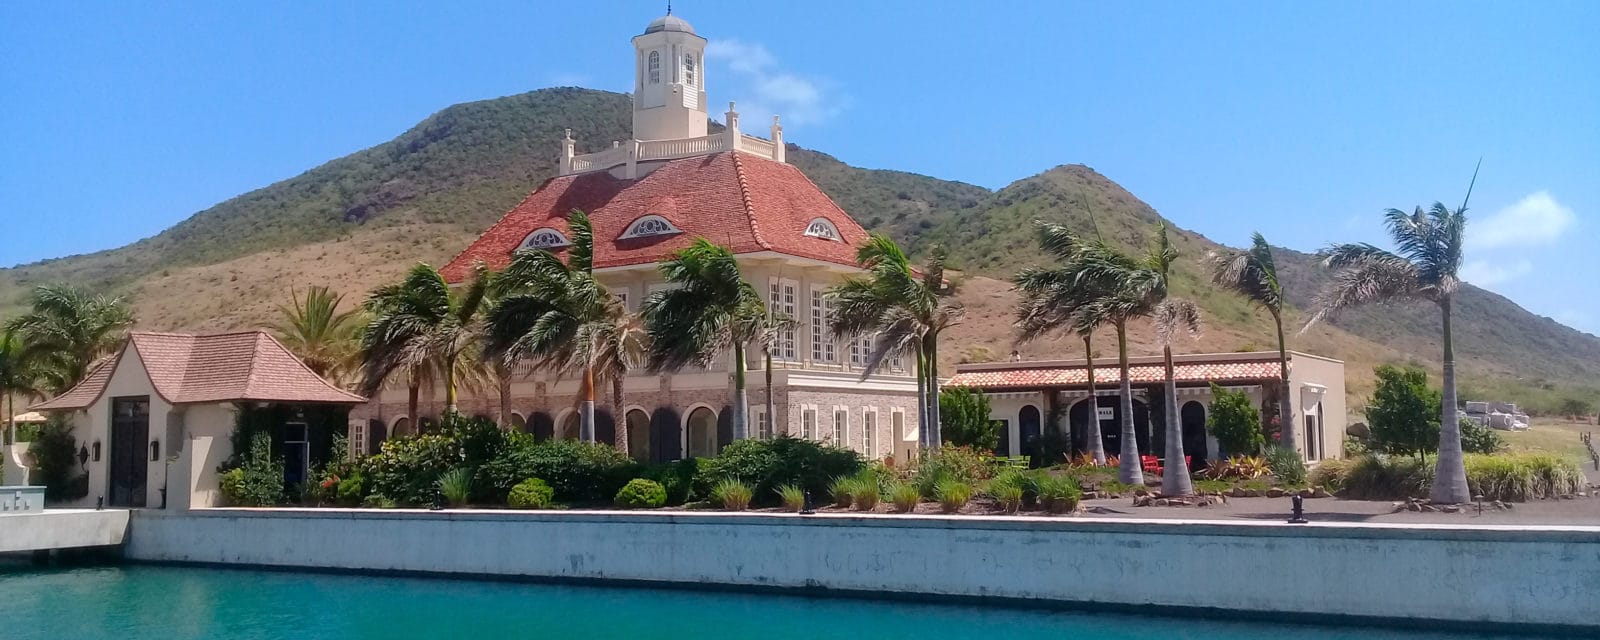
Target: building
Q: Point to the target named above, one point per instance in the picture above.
(1023, 394)
(156, 420)
(652, 195)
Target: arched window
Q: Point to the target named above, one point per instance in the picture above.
(655, 67)
(545, 238)
(688, 69)
(821, 228)
(651, 225)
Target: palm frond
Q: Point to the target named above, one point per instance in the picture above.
(1174, 316)
(1366, 276)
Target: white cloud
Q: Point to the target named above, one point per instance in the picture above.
(763, 88)
(1535, 220)
(1485, 273)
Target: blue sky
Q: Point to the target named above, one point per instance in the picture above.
(1301, 120)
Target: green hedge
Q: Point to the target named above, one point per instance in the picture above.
(765, 465)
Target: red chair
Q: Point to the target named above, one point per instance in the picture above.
(1151, 464)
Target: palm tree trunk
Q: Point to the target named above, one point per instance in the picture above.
(741, 399)
(450, 385)
(412, 390)
(936, 429)
(11, 418)
(1129, 469)
(1286, 421)
(1175, 474)
(586, 410)
(924, 434)
(1450, 477)
(772, 406)
(503, 374)
(1097, 443)
(619, 417)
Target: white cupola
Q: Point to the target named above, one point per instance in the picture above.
(669, 86)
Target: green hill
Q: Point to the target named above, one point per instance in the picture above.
(360, 219)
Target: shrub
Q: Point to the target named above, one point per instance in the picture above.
(351, 488)
(843, 491)
(532, 493)
(864, 492)
(1286, 465)
(258, 480)
(765, 465)
(952, 494)
(1403, 415)
(1235, 422)
(641, 494)
(408, 468)
(576, 471)
(792, 497)
(732, 494)
(904, 496)
(1330, 475)
(964, 419)
(1059, 494)
(960, 464)
(456, 485)
(1521, 477)
(376, 501)
(1479, 438)
(53, 449)
(676, 477)
(1379, 477)
(1009, 496)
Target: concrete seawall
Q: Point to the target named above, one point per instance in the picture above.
(1540, 576)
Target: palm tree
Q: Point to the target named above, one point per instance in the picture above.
(620, 347)
(1253, 274)
(1171, 316)
(67, 329)
(326, 340)
(19, 375)
(1058, 300)
(710, 310)
(1430, 244)
(422, 327)
(773, 326)
(907, 312)
(555, 314)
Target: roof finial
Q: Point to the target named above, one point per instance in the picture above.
(669, 7)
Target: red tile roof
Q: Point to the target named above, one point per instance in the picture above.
(1023, 377)
(226, 367)
(746, 203)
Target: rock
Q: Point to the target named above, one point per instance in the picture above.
(1141, 491)
(1567, 497)
(1162, 502)
(1179, 502)
(1414, 506)
(1275, 492)
(1452, 508)
(1430, 508)
(1307, 493)
(1236, 492)
(1141, 501)
(1319, 492)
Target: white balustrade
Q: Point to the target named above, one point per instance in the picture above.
(670, 150)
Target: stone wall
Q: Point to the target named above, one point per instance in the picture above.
(1419, 575)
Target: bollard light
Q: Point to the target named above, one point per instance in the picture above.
(805, 509)
(99, 503)
(1299, 515)
(438, 500)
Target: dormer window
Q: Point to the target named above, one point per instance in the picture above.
(821, 228)
(688, 69)
(545, 238)
(648, 226)
(655, 67)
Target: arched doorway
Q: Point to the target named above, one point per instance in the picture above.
(605, 427)
(1193, 418)
(542, 426)
(1028, 430)
(567, 428)
(725, 427)
(701, 431)
(1110, 416)
(402, 427)
(377, 433)
(666, 439)
(639, 436)
(518, 422)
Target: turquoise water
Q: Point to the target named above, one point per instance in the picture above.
(143, 602)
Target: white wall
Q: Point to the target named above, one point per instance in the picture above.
(1538, 575)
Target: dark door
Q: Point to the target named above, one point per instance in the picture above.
(295, 444)
(1004, 448)
(1193, 419)
(1028, 424)
(130, 432)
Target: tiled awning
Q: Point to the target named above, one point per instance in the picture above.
(1023, 377)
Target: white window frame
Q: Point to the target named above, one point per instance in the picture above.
(358, 438)
(689, 70)
(841, 426)
(783, 297)
(658, 226)
(763, 425)
(654, 65)
(545, 238)
(823, 228)
(824, 349)
(869, 433)
(808, 422)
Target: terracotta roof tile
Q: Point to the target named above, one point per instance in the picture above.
(746, 203)
(227, 367)
(1023, 377)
